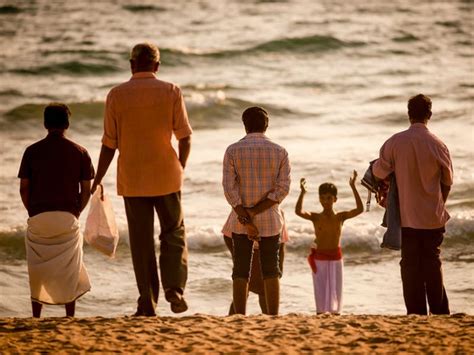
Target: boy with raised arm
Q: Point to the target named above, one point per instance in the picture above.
(326, 255)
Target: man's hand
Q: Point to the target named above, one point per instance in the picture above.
(251, 212)
(353, 179)
(242, 214)
(303, 185)
(184, 148)
(94, 186)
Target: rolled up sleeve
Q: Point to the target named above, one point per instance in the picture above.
(383, 166)
(230, 181)
(282, 186)
(181, 126)
(109, 139)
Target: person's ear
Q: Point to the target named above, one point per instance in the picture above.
(132, 66)
(428, 116)
(156, 67)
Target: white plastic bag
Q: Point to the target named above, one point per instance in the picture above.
(101, 230)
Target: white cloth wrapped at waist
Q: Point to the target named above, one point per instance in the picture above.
(55, 258)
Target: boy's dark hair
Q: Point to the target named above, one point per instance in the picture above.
(255, 119)
(419, 108)
(56, 116)
(328, 188)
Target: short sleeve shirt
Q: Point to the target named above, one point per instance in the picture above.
(421, 163)
(55, 166)
(141, 116)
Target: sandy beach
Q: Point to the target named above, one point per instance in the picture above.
(292, 333)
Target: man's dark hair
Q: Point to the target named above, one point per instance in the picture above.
(255, 119)
(419, 108)
(56, 116)
(328, 188)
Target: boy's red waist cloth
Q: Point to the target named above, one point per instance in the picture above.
(323, 254)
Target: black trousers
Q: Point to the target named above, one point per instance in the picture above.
(173, 249)
(269, 248)
(422, 275)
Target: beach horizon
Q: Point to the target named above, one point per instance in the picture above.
(200, 333)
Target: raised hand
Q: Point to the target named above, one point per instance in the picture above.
(303, 185)
(353, 178)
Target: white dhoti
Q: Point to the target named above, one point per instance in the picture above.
(54, 255)
(327, 282)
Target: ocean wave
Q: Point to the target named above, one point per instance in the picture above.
(86, 52)
(356, 240)
(10, 9)
(387, 98)
(406, 37)
(144, 8)
(454, 114)
(87, 61)
(389, 118)
(306, 44)
(315, 43)
(206, 109)
(12, 245)
(11, 92)
(73, 67)
(80, 110)
(450, 24)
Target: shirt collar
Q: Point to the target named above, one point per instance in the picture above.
(143, 75)
(255, 135)
(418, 125)
(54, 134)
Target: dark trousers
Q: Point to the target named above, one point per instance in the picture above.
(269, 248)
(173, 250)
(421, 271)
(256, 279)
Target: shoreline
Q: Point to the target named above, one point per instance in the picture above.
(291, 333)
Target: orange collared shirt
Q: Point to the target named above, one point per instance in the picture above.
(141, 115)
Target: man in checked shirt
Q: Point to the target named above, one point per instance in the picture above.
(256, 179)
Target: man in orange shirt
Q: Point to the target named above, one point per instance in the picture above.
(424, 173)
(141, 115)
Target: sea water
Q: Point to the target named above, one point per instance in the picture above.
(335, 77)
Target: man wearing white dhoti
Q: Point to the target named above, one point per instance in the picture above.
(55, 184)
(326, 257)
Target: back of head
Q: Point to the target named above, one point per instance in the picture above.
(255, 119)
(328, 188)
(56, 116)
(419, 108)
(145, 54)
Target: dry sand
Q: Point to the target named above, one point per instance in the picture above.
(292, 333)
